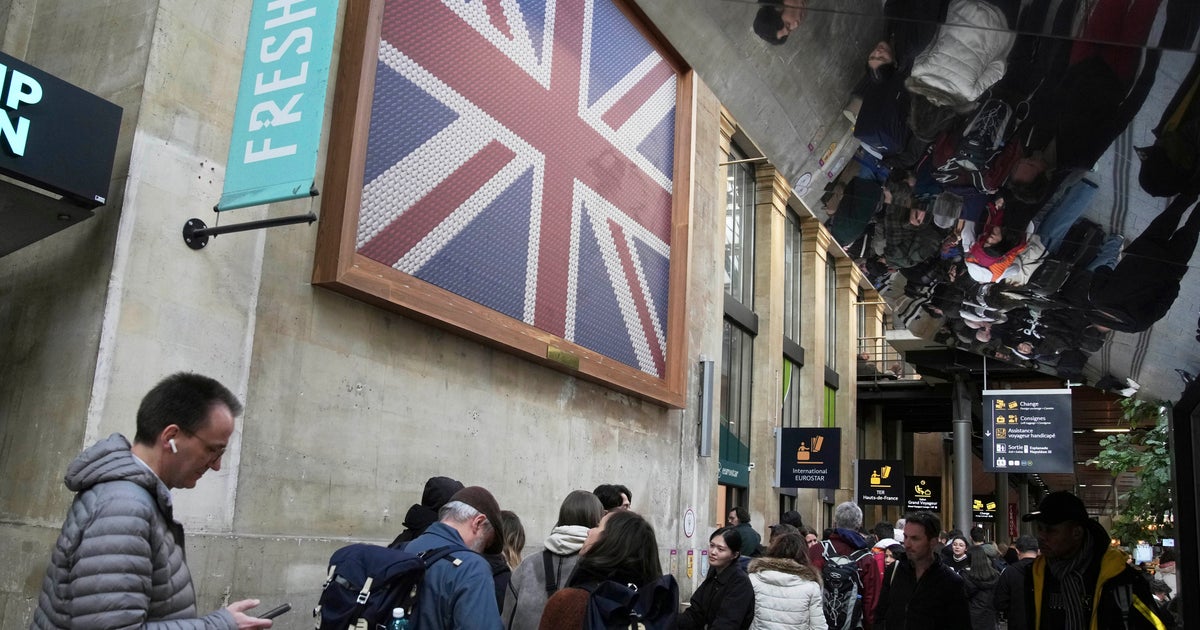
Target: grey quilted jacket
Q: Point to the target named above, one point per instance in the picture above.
(119, 561)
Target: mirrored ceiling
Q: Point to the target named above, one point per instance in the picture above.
(1017, 179)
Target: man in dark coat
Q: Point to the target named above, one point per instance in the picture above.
(739, 518)
(921, 591)
(1009, 596)
(1080, 581)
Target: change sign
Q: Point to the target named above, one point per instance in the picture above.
(879, 481)
(923, 494)
(1027, 430)
(808, 457)
(983, 508)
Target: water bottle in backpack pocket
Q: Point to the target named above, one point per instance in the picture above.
(366, 583)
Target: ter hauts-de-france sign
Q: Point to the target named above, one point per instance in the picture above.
(880, 481)
(1028, 431)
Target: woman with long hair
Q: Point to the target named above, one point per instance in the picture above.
(506, 561)
(622, 549)
(514, 538)
(979, 580)
(542, 574)
(787, 591)
(725, 599)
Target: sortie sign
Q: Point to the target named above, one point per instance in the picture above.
(1027, 431)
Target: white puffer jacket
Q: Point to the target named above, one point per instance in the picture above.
(968, 55)
(787, 596)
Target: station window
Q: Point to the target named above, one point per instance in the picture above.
(740, 327)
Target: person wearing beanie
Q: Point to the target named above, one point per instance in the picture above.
(438, 491)
(460, 592)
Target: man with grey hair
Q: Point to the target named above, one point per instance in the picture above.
(459, 593)
(845, 540)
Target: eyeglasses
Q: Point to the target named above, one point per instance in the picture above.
(215, 451)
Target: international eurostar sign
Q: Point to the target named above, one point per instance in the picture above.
(281, 103)
(808, 457)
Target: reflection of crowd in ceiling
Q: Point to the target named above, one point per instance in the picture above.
(965, 202)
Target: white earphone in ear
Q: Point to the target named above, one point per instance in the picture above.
(174, 449)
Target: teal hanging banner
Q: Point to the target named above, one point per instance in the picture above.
(281, 103)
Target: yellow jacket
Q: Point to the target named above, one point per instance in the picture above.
(1112, 568)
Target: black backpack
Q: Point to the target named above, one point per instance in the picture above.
(612, 605)
(841, 589)
(984, 136)
(365, 582)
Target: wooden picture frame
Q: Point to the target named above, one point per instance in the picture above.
(340, 267)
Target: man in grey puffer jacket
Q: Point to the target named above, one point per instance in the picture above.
(119, 561)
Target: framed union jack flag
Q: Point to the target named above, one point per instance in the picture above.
(516, 171)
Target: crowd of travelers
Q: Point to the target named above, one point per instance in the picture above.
(119, 561)
(911, 574)
(979, 123)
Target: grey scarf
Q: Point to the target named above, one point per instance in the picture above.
(1076, 600)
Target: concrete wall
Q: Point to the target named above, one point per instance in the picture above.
(53, 294)
(348, 408)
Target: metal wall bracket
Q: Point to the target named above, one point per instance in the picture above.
(196, 233)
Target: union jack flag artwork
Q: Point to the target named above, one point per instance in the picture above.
(521, 155)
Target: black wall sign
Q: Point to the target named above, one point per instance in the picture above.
(880, 481)
(809, 457)
(1028, 431)
(54, 135)
(923, 494)
(983, 508)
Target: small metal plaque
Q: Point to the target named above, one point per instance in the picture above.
(563, 357)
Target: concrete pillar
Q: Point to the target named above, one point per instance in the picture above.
(815, 244)
(770, 218)
(871, 419)
(1002, 502)
(1023, 506)
(962, 454)
(849, 277)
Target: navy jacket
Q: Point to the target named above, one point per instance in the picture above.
(455, 597)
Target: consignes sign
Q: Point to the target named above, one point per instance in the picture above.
(1027, 431)
(56, 136)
